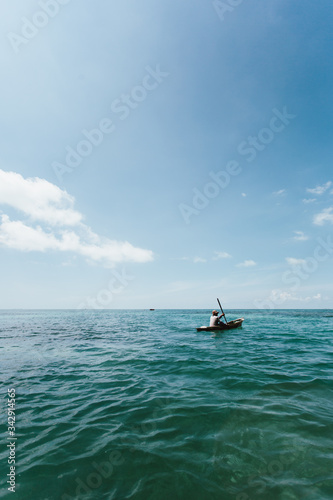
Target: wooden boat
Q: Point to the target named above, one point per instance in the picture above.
(229, 326)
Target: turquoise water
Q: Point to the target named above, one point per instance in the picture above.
(138, 405)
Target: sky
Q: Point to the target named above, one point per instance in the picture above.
(162, 154)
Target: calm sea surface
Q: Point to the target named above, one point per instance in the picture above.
(138, 405)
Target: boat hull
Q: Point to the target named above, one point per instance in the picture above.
(229, 326)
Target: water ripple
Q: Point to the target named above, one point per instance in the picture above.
(115, 405)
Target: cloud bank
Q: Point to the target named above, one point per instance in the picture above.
(38, 199)
(52, 224)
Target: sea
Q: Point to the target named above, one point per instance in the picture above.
(136, 404)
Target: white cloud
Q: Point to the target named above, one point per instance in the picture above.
(325, 216)
(244, 195)
(295, 262)
(278, 297)
(221, 255)
(39, 199)
(300, 236)
(42, 201)
(196, 260)
(281, 192)
(19, 236)
(247, 263)
(320, 189)
(309, 200)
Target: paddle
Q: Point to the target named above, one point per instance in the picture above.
(222, 311)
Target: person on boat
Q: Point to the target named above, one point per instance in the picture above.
(215, 319)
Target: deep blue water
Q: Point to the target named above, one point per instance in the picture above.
(138, 405)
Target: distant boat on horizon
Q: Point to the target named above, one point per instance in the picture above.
(151, 309)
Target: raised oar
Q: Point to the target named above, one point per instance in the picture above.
(222, 311)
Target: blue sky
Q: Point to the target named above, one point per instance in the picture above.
(161, 155)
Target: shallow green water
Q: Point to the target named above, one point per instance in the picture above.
(138, 405)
